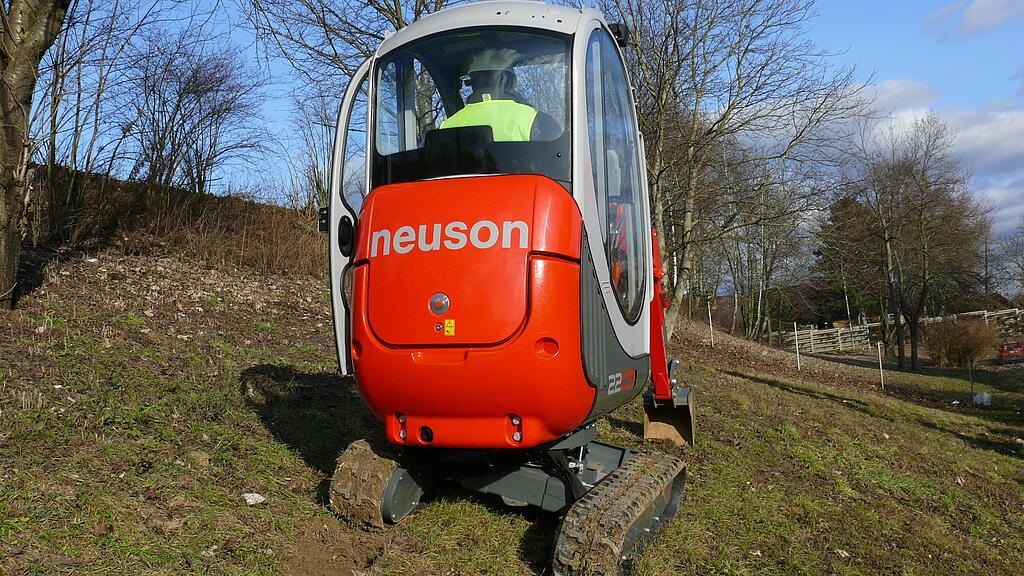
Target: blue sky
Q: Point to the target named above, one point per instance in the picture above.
(962, 59)
(967, 65)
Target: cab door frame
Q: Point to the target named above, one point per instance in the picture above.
(342, 222)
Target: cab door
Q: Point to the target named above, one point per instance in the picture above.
(613, 197)
(348, 186)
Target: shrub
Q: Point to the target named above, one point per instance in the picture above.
(959, 342)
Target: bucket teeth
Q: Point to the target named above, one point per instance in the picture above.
(603, 532)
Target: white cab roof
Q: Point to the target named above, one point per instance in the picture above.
(494, 13)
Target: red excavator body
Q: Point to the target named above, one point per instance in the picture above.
(505, 356)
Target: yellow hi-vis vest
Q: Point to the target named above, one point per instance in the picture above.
(509, 120)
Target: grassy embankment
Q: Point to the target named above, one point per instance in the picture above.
(140, 397)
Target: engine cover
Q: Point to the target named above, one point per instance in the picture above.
(468, 239)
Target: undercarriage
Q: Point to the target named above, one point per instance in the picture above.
(612, 500)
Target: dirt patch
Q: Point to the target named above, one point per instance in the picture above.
(328, 548)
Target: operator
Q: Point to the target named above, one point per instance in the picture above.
(493, 101)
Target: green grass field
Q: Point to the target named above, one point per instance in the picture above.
(140, 398)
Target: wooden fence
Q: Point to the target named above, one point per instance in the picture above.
(1010, 322)
(813, 341)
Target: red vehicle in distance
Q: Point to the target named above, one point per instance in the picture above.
(1012, 351)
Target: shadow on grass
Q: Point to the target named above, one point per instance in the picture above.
(848, 403)
(316, 415)
(629, 426)
(990, 442)
(535, 544)
(33, 262)
(999, 440)
(1006, 391)
(979, 374)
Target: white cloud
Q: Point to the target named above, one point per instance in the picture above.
(1007, 202)
(941, 18)
(900, 93)
(974, 16)
(985, 14)
(989, 141)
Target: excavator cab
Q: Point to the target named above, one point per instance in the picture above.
(492, 271)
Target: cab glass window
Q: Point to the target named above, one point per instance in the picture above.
(480, 101)
(616, 165)
(353, 173)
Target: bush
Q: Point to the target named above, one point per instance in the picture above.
(959, 342)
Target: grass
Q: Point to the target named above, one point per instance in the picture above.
(127, 439)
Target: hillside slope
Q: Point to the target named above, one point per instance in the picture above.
(141, 397)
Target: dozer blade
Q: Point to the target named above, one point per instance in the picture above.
(605, 530)
(670, 420)
(370, 489)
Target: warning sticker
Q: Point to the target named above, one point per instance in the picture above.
(449, 327)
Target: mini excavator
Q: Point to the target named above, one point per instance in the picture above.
(495, 278)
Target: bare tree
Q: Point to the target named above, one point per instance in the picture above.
(324, 40)
(1011, 264)
(81, 78)
(758, 254)
(927, 224)
(717, 74)
(29, 28)
(307, 180)
(194, 110)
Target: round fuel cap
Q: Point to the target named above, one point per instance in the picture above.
(439, 303)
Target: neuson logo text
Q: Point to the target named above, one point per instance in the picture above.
(453, 236)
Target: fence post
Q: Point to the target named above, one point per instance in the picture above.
(812, 340)
(711, 325)
(839, 333)
(796, 336)
(881, 374)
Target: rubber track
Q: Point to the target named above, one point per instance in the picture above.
(357, 488)
(592, 535)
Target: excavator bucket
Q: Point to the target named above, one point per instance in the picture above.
(670, 419)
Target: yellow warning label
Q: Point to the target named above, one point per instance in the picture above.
(449, 327)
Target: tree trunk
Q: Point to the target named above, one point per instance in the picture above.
(894, 300)
(735, 312)
(35, 26)
(689, 202)
(901, 347)
(915, 363)
(10, 245)
(886, 341)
